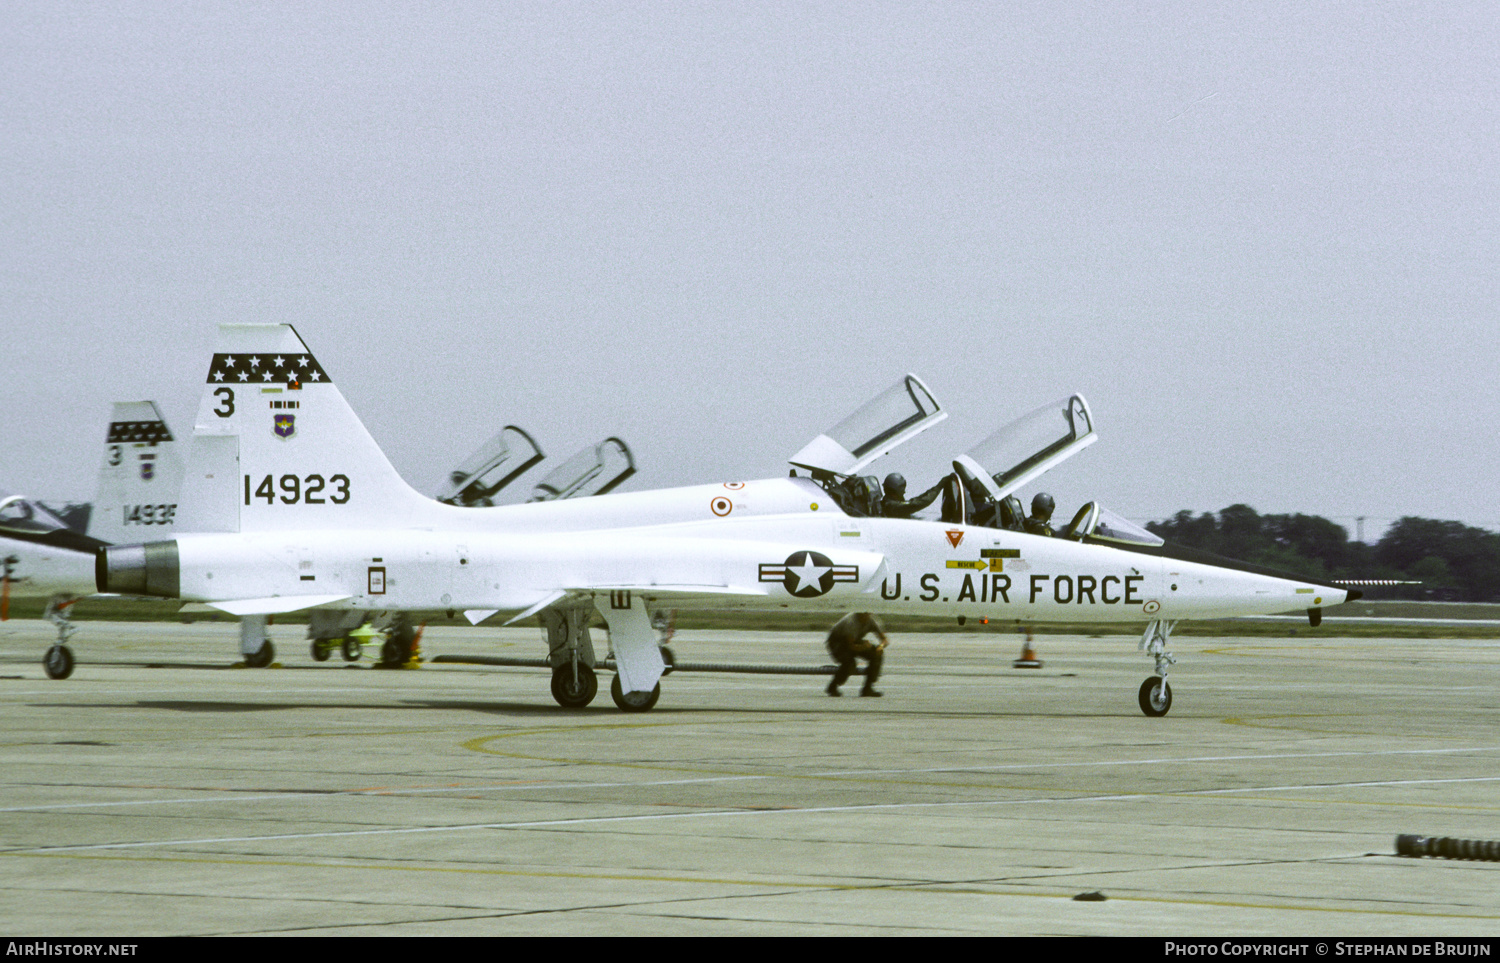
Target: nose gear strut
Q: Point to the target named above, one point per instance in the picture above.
(1155, 694)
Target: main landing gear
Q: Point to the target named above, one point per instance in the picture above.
(634, 638)
(255, 647)
(575, 685)
(400, 643)
(58, 662)
(1155, 695)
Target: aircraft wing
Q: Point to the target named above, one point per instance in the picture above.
(653, 589)
(275, 605)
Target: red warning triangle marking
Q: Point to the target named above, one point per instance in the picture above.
(954, 536)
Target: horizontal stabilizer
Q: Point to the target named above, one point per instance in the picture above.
(276, 604)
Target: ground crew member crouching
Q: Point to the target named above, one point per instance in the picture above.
(846, 643)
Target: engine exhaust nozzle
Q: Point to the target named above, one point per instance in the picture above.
(147, 569)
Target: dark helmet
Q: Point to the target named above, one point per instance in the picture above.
(895, 485)
(1042, 506)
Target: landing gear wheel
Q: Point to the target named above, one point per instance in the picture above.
(1156, 696)
(633, 701)
(58, 662)
(262, 658)
(320, 650)
(571, 693)
(397, 649)
(352, 650)
(394, 654)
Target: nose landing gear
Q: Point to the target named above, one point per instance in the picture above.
(1155, 695)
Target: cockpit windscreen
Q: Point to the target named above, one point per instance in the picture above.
(1115, 528)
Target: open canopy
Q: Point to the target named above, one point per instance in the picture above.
(1027, 447)
(895, 416)
(497, 463)
(595, 470)
(21, 516)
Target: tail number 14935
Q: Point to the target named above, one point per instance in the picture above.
(308, 490)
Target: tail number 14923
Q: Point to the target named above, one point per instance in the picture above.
(291, 489)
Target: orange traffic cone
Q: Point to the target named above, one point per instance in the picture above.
(416, 648)
(1028, 659)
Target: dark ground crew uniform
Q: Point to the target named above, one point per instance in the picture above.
(846, 643)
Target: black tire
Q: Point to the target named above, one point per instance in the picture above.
(634, 701)
(320, 650)
(58, 662)
(1155, 697)
(264, 657)
(352, 650)
(571, 694)
(397, 649)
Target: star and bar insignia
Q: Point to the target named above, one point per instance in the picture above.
(807, 575)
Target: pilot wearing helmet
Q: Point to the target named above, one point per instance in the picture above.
(895, 504)
(1042, 507)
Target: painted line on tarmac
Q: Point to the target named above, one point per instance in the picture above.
(1163, 761)
(663, 817)
(232, 797)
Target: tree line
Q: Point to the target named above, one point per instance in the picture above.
(1454, 562)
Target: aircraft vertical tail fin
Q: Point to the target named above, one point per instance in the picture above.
(140, 477)
(304, 459)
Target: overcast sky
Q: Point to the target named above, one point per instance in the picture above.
(1260, 238)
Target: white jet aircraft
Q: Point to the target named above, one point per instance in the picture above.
(43, 558)
(297, 508)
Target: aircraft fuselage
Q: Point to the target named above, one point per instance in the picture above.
(812, 558)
